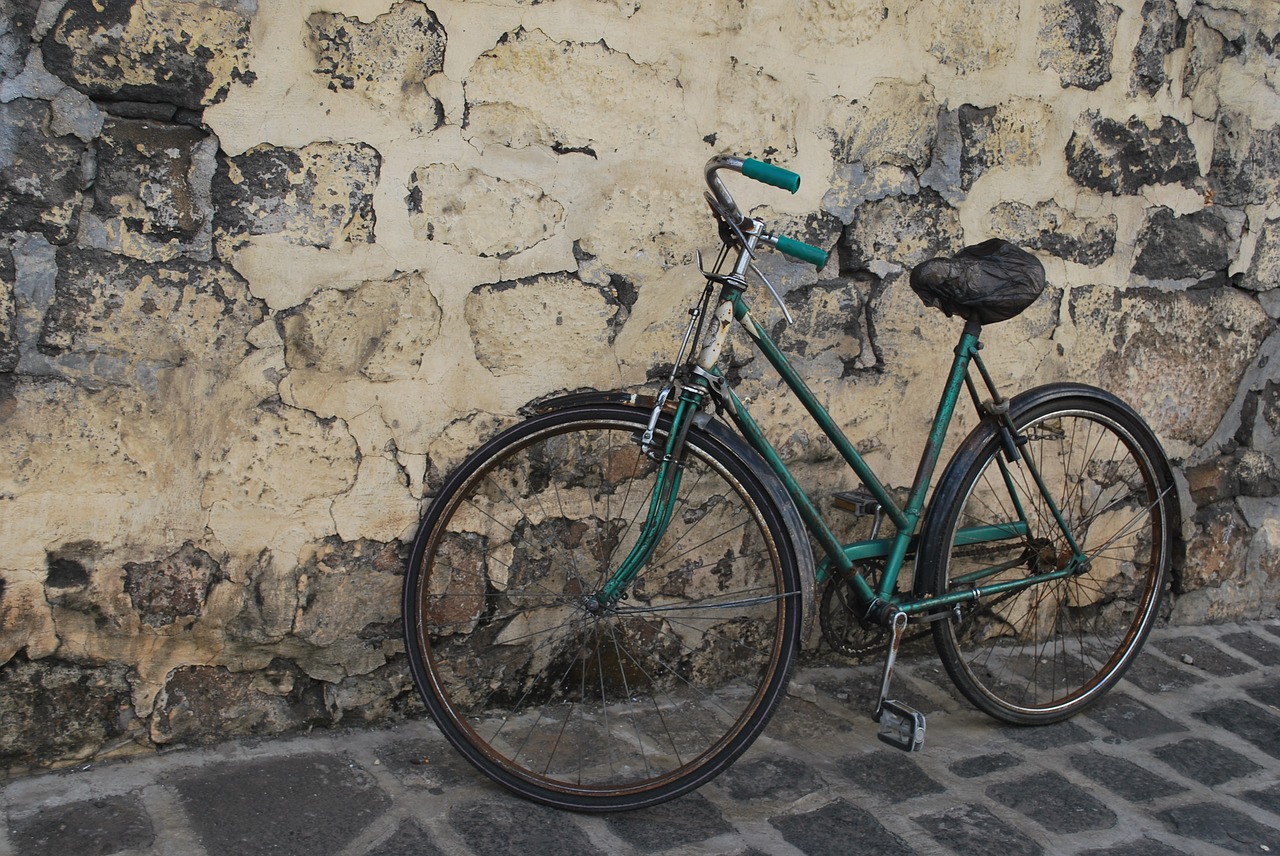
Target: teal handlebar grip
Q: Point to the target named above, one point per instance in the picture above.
(803, 252)
(767, 173)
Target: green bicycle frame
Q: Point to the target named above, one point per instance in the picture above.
(884, 600)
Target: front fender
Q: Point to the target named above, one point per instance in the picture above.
(736, 444)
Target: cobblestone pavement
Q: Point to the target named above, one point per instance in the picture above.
(1182, 758)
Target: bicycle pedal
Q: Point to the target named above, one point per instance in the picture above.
(901, 726)
(856, 502)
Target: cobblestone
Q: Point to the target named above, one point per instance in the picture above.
(1181, 759)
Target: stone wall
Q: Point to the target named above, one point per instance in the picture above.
(267, 270)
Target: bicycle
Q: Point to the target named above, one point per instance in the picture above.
(603, 603)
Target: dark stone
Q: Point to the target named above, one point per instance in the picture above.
(890, 774)
(53, 710)
(279, 191)
(1247, 721)
(9, 347)
(1048, 736)
(518, 827)
(17, 18)
(204, 704)
(1122, 158)
(905, 230)
(303, 805)
(1205, 762)
(172, 588)
(1124, 778)
(1141, 847)
(772, 777)
(93, 41)
(69, 567)
(1214, 823)
(1049, 227)
(40, 175)
(408, 840)
(1266, 653)
(976, 124)
(1163, 31)
(1268, 798)
(981, 765)
(146, 182)
(675, 825)
(838, 829)
(1268, 693)
(1131, 719)
(1242, 171)
(1186, 247)
(1076, 41)
(972, 830)
(96, 827)
(1054, 803)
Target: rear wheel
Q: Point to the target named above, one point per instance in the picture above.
(1040, 654)
(572, 704)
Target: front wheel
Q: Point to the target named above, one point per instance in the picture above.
(575, 704)
(1042, 653)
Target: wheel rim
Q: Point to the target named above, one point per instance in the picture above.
(544, 690)
(1053, 648)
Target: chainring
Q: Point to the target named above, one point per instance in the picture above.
(842, 626)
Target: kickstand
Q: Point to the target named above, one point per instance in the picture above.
(901, 726)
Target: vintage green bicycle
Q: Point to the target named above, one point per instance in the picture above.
(603, 602)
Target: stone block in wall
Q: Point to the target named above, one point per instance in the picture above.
(1007, 135)
(529, 90)
(755, 113)
(380, 330)
(1049, 227)
(274, 484)
(1245, 472)
(56, 710)
(550, 326)
(1077, 40)
(319, 195)
(9, 350)
(1121, 158)
(973, 35)
(1181, 248)
(387, 60)
(899, 232)
(123, 321)
(1163, 32)
(827, 339)
(151, 191)
(167, 591)
(16, 22)
(186, 54)
(1263, 274)
(479, 214)
(40, 173)
(1243, 171)
(204, 704)
(1218, 548)
(349, 591)
(897, 123)
(1177, 357)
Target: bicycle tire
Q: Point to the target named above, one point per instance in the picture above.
(608, 710)
(1041, 654)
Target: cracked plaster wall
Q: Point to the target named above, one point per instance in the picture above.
(268, 270)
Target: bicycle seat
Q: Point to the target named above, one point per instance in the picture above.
(988, 282)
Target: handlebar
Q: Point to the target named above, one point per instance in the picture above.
(766, 173)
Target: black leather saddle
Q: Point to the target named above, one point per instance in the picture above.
(988, 282)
